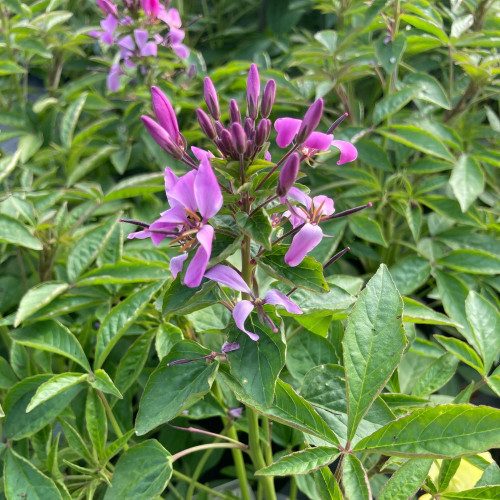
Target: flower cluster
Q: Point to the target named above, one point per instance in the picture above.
(137, 32)
(249, 179)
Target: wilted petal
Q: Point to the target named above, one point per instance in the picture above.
(201, 154)
(230, 346)
(176, 264)
(287, 128)
(327, 207)
(113, 79)
(198, 265)
(207, 191)
(227, 276)
(149, 49)
(304, 241)
(319, 141)
(241, 312)
(275, 297)
(347, 151)
(181, 50)
(164, 112)
(183, 192)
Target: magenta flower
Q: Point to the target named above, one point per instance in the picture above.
(229, 277)
(113, 79)
(144, 48)
(196, 192)
(310, 234)
(151, 8)
(109, 26)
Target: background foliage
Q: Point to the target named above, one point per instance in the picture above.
(420, 83)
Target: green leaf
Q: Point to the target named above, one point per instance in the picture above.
(453, 293)
(407, 480)
(443, 431)
(300, 462)
(116, 446)
(70, 120)
(124, 272)
(8, 164)
(373, 343)
(413, 215)
(450, 208)
(257, 227)
(10, 68)
(180, 299)
(307, 351)
(288, 408)
(167, 336)
(137, 185)
(462, 351)
(120, 159)
(392, 103)
(133, 361)
(367, 229)
(491, 475)
(75, 441)
(482, 493)
(119, 319)
(415, 312)
(484, 320)
(389, 54)
(101, 381)
(447, 471)
(24, 481)
(96, 420)
(426, 25)
(37, 297)
(54, 386)
(467, 181)
(174, 388)
(327, 485)
(355, 479)
(417, 138)
(2, 414)
(308, 274)
(257, 364)
(18, 423)
(89, 163)
(87, 248)
(7, 376)
(28, 145)
(437, 374)
(327, 38)
(410, 273)
(471, 261)
(15, 233)
(141, 473)
(372, 154)
(54, 337)
(430, 89)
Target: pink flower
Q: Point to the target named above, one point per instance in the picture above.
(229, 277)
(196, 192)
(109, 26)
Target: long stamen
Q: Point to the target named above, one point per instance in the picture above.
(136, 222)
(192, 214)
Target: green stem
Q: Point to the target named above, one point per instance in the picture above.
(112, 419)
(293, 489)
(268, 450)
(206, 447)
(200, 486)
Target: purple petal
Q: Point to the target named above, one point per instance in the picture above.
(319, 141)
(129, 63)
(176, 264)
(140, 235)
(170, 180)
(241, 312)
(127, 43)
(287, 128)
(181, 50)
(304, 241)
(109, 24)
(267, 156)
(198, 265)
(107, 38)
(200, 154)
(149, 49)
(95, 33)
(172, 18)
(113, 79)
(176, 36)
(151, 7)
(183, 192)
(165, 112)
(207, 191)
(227, 276)
(275, 297)
(236, 412)
(230, 346)
(300, 196)
(126, 21)
(141, 37)
(327, 206)
(347, 151)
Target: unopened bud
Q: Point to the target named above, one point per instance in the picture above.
(227, 142)
(310, 121)
(206, 124)
(239, 138)
(219, 128)
(165, 112)
(162, 138)
(211, 98)
(262, 132)
(268, 98)
(288, 175)
(108, 7)
(249, 127)
(253, 91)
(234, 112)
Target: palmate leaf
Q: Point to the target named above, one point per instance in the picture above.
(444, 431)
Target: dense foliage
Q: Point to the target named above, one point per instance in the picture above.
(386, 383)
